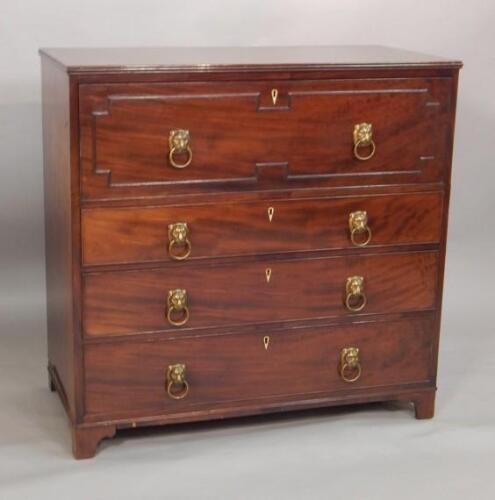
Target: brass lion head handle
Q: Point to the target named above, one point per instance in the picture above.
(179, 145)
(360, 232)
(176, 383)
(355, 298)
(178, 238)
(177, 310)
(350, 366)
(363, 139)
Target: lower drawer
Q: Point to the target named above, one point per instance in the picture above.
(133, 378)
(129, 302)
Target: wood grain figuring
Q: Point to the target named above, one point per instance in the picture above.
(123, 377)
(133, 235)
(125, 130)
(219, 295)
(266, 297)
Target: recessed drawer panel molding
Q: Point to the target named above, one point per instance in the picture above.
(138, 139)
(134, 377)
(134, 235)
(125, 302)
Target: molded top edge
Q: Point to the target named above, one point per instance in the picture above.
(206, 59)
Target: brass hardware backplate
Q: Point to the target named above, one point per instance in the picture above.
(363, 134)
(363, 137)
(358, 226)
(349, 356)
(354, 288)
(176, 376)
(176, 373)
(354, 285)
(350, 366)
(178, 236)
(179, 140)
(358, 220)
(177, 299)
(178, 232)
(177, 303)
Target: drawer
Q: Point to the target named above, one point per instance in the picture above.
(256, 135)
(124, 378)
(204, 296)
(134, 235)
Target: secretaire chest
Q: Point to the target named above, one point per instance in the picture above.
(240, 231)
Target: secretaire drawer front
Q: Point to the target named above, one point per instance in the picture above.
(125, 379)
(124, 302)
(138, 139)
(133, 235)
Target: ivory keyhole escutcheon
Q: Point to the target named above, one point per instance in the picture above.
(274, 96)
(271, 212)
(268, 274)
(266, 342)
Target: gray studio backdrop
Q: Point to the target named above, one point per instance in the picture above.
(458, 445)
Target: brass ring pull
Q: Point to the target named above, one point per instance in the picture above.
(355, 299)
(350, 367)
(178, 236)
(183, 256)
(177, 304)
(176, 376)
(355, 302)
(178, 395)
(360, 144)
(363, 138)
(356, 232)
(343, 373)
(178, 322)
(180, 165)
(179, 143)
(358, 225)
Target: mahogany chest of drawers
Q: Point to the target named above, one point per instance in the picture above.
(242, 231)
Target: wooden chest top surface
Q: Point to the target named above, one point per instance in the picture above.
(214, 58)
